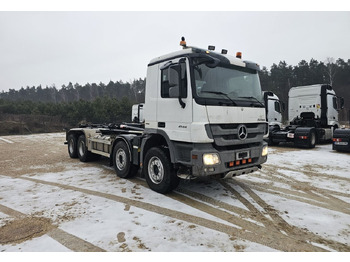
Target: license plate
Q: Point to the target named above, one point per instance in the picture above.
(341, 143)
(242, 155)
(290, 135)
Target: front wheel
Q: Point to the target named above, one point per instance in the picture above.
(122, 161)
(160, 175)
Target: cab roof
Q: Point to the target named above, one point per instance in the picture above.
(191, 51)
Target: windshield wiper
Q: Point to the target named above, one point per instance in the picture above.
(254, 98)
(221, 93)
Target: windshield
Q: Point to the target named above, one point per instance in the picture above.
(234, 85)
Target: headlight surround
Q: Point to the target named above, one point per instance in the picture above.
(211, 159)
(264, 151)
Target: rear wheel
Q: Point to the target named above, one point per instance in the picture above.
(160, 175)
(83, 153)
(312, 139)
(122, 161)
(72, 146)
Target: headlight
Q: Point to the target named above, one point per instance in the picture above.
(264, 151)
(211, 159)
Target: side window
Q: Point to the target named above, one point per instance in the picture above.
(335, 104)
(164, 89)
(277, 107)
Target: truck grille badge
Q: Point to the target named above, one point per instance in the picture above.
(242, 132)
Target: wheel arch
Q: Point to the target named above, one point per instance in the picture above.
(158, 139)
(75, 133)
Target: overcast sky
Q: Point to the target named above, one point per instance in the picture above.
(46, 48)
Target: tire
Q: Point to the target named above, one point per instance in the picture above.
(82, 150)
(72, 146)
(271, 142)
(160, 175)
(312, 139)
(122, 161)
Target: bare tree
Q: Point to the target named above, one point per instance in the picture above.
(330, 69)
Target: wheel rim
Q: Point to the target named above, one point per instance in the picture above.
(82, 148)
(155, 170)
(71, 146)
(120, 158)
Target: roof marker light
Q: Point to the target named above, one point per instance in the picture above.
(183, 42)
(211, 47)
(239, 55)
(224, 51)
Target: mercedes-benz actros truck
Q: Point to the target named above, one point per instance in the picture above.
(203, 116)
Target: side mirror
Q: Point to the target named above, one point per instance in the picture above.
(174, 92)
(175, 86)
(213, 63)
(174, 81)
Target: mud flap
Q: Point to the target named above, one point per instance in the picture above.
(302, 137)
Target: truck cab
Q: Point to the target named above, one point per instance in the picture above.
(274, 108)
(320, 100)
(208, 108)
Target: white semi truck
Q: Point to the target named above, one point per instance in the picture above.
(274, 108)
(313, 115)
(203, 116)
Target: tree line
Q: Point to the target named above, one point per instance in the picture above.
(70, 93)
(102, 110)
(75, 104)
(101, 103)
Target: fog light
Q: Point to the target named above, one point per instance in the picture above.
(264, 151)
(211, 159)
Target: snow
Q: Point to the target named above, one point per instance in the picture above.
(308, 189)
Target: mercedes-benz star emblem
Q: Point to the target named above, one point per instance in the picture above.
(242, 132)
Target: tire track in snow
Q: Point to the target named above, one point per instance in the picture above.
(257, 235)
(324, 198)
(283, 225)
(6, 140)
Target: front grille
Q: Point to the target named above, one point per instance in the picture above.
(227, 134)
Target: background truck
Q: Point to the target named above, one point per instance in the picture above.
(313, 115)
(203, 116)
(274, 108)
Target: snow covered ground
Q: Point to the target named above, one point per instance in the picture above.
(299, 201)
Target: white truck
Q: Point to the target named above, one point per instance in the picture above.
(203, 116)
(274, 108)
(313, 115)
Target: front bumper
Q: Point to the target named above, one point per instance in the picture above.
(232, 162)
